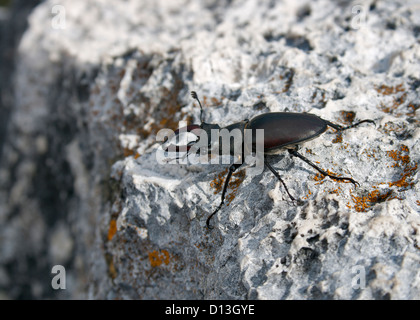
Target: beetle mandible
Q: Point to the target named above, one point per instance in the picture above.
(282, 130)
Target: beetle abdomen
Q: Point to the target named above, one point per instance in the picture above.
(285, 128)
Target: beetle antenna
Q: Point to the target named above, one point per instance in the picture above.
(194, 95)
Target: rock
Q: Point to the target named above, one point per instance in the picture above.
(79, 162)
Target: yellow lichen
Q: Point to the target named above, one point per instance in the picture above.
(234, 183)
(364, 202)
(338, 138)
(112, 229)
(348, 116)
(401, 160)
(156, 258)
(386, 90)
(399, 98)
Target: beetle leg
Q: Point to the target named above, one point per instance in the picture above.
(294, 152)
(232, 169)
(278, 177)
(341, 128)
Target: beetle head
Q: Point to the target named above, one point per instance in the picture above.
(196, 130)
(181, 148)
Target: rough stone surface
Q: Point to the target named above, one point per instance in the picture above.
(81, 186)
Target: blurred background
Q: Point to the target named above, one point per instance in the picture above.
(13, 22)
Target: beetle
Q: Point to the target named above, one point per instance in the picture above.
(282, 130)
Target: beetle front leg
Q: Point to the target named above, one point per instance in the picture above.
(278, 177)
(232, 169)
(294, 152)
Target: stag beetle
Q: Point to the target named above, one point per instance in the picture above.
(282, 130)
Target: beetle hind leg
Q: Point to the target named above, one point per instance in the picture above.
(341, 128)
(294, 152)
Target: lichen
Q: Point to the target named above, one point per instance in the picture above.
(159, 257)
(218, 182)
(362, 203)
(402, 161)
(112, 229)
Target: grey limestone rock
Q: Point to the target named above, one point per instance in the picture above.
(81, 185)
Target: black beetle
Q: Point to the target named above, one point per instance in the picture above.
(282, 130)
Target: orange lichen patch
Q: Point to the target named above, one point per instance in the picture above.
(320, 177)
(396, 155)
(234, 183)
(112, 229)
(361, 204)
(308, 195)
(393, 127)
(338, 138)
(399, 98)
(216, 101)
(396, 103)
(376, 197)
(348, 116)
(371, 153)
(168, 115)
(218, 182)
(156, 258)
(402, 160)
(386, 90)
(402, 182)
(336, 191)
(165, 113)
(418, 202)
(213, 101)
(344, 146)
(128, 152)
